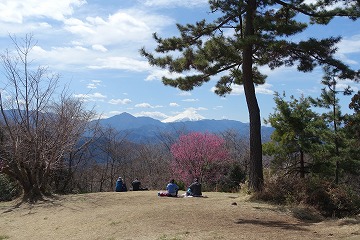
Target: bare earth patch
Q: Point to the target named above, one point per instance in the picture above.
(144, 215)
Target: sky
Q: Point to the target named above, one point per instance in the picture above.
(94, 46)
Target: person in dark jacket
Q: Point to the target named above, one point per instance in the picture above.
(194, 189)
(136, 185)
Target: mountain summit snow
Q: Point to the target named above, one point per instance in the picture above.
(187, 115)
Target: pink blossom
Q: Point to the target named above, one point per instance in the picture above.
(199, 155)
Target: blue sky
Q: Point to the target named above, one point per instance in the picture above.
(94, 46)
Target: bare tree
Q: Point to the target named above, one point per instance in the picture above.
(115, 153)
(37, 130)
(238, 147)
(152, 165)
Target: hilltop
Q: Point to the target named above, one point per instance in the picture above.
(143, 215)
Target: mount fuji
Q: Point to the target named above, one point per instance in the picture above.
(187, 115)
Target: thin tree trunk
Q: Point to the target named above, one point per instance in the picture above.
(302, 165)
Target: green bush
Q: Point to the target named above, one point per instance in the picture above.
(9, 190)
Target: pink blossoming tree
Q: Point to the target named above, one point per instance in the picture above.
(202, 155)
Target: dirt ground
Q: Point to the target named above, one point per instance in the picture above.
(144, 215)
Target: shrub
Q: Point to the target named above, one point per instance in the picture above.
(329, 199)
(9, 190)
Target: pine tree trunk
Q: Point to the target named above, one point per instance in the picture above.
(256, 179)
(302, 165)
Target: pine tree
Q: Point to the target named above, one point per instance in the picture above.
(296, 136)
(334, 118)
(259, 36)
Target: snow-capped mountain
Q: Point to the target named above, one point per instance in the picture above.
(146, 129)
(187, 115)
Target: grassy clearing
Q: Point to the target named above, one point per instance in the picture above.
(144, 215)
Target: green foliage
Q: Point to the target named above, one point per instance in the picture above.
(8, 189)
(351, 150)
(230, 181)
(336, 140)
(181, 185)
(297, 133)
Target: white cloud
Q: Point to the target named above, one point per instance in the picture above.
(91, 86)
(264, 89)
(19, 29)
(94, 84)
(175, 3)
(67, 57)
(103, 42)
(310, 91)
(120, 101)
(183, 93)
(198, 109)
(155, 115)
(127, 26)
(14, 11)
(99, 47)
(63, 57)
(190, 100)
(146, 105)
(347, 46)
(123, 63)
(157, 74)
(260, 89)
(91, 97)
(342, 84)
(112, 113)
(173, 104)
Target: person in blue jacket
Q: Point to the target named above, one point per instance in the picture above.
(119, 185)
(171, 190)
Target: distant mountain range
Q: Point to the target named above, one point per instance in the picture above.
(145, 129)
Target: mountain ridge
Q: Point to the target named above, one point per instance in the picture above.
(144, 129)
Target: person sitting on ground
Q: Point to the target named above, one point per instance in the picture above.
(171, 190)
(119, 185)
(194, 189)
(124, 188)
(136, 185)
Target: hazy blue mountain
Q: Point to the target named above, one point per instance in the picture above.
(146, 129)
(126, 121)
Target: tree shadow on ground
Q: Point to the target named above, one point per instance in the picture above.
(48, 201)
(350, 221)
(274, 224)
(304, 214)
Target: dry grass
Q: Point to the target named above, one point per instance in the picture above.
(143, 215)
